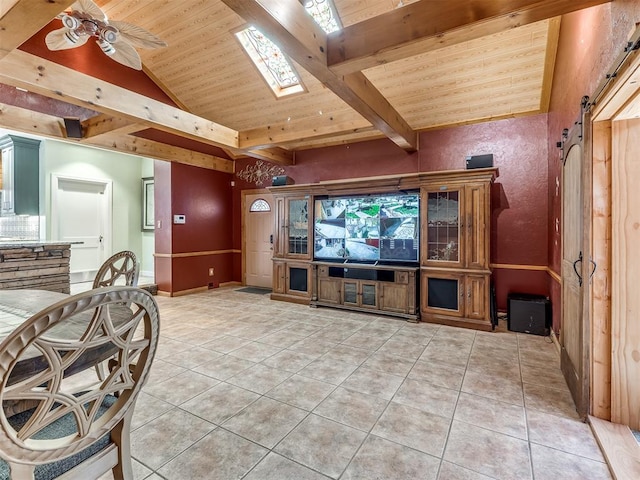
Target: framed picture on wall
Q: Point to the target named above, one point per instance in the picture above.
(148, 220)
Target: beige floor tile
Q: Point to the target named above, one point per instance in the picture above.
(427, 397)
(413, 428)
(312, 346)
(265, 421)
(255, 352)
(493, 415)
(373, 382)
(388, 363)
(550, 400)
(147, 408)
(162, 370)
(289, 361)
(365, 341)
(450, 355)
(347, 354)
(259, 378)
(413, 335)
(494, 387)
(550, 464)
(490, 453)
(179, 389)
(163, 438)
(401, 348)
(441, 374)
(355, 409)
(302, 392)
(276, 467)
(536, 375)
(221, 455)
(566, 434)
(379, 458)
(321, 444)
(328, 370)
(223, 367)
(226, 343)
(449, 471)
(193, 357)
(282, 339)
(220, 403)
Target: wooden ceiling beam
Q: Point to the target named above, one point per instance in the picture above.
(273, 155)
(427, 25)
(287, 24)
(21, 19)
(302, 130)
(48, 126)
(38, 75)
(104, 124)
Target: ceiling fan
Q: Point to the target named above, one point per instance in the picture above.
(116, 39)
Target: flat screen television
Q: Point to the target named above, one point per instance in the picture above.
(374, 228)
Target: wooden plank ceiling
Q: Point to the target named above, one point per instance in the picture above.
(395, 69)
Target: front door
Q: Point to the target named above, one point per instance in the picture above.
(258, 233)
(81, 215)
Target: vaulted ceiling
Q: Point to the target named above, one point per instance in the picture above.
(395, 68)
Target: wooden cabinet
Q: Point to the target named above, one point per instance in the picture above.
(388, 290)
(455, 273)
(451, 282)
(292, 235)
(291, 281)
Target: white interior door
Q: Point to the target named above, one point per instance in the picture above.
(81, 214)
(258, 245)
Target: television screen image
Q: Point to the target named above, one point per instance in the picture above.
(373, 228)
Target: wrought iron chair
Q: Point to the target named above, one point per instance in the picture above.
(81, 431)
(121, 268)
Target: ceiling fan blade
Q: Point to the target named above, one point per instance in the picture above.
(138, 36)
(126, 55)
(90, 8)
(64, 39)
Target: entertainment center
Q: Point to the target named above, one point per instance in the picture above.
(414, 246)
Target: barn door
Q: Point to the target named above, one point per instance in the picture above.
(576, 267)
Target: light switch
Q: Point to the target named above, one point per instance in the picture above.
(179, 219)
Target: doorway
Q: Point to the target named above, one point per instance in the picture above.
(81, 215)
(257, 213)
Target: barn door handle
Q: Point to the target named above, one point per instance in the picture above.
(575, 269)
(593, 270)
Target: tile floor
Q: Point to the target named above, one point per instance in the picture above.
(243, 387)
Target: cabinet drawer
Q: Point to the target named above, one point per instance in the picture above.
(323, 270)
(402, 277)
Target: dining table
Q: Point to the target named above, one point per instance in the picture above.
(16, 306)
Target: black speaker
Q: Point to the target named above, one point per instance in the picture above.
(281, 180)
(529, 314)
(73, 127)
(480, 161)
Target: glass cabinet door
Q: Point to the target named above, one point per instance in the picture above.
(443, 226)
(298, 226)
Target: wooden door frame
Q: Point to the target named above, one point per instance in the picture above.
(243, 229)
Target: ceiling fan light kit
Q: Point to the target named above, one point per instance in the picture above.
(116, 39)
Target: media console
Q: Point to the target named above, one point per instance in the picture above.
(389, 290)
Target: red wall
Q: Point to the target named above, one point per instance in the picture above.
(519, 217)
(204, 197)
(589, 42)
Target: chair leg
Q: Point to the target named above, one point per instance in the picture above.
(121, 436)
(21, 471)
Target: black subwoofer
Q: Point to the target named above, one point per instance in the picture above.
(528, 314)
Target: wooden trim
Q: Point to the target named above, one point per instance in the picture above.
(549, 63)
(195, 254)
(181, 293)
(230, 284)
(509, 266)
(600, 288)
(619, 446)
(555, 276)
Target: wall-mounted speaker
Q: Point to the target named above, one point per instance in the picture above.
(281, 180)
(480, 161)
(73, 127)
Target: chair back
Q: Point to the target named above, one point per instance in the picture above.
(121, 268)
(98, 324)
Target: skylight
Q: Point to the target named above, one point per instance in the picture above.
(323, 12)
(269, 59)
(272, 63)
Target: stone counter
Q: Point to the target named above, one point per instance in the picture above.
(37, 265)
